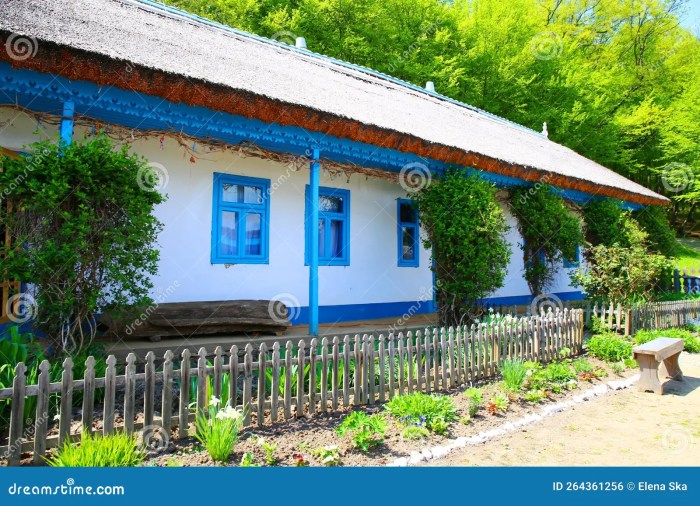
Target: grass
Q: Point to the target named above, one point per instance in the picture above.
(116, 450)
(687, 254)
(514, 373)
(434, 411)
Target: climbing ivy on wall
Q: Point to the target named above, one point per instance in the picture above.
(550, 232)
(465, 228)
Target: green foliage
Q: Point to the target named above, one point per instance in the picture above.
(582, 365)
(624, 275)
(329, 455)
(549, 230)
(435, 411)
(248, 460)
(605, 223)
(498, 404)
(609, 347)
(218, 428)
(654, 221)
(690, 339)
(414, 432)
(618, 367)
(534, 396)
(365, 431)
(476, 399)
(269, 450)
(555, 377)
(115, 450)
(514, 373)
(460, 215)
(83, 233)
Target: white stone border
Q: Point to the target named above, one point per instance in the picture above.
(438, 452)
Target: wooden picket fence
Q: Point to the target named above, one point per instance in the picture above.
(277, 383)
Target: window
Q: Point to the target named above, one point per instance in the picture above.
(576, 261)
(407, 233)
(333, 226)
(241, 218)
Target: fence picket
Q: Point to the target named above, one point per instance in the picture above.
(233, 376)
(166, 411)
(110, 393)
(17, 415)
(88, 394)
(262, 376)
(64, 423)
(382, 363)
(183, 426)
(336, 361)
(41, 419)
(301, 356)
(288, 380)
(275, 386)
(324, 375)
(247, 383)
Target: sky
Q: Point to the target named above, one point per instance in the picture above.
(692, 19)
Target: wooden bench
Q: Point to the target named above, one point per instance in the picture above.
(650, 355)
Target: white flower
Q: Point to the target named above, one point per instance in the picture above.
(330, 458)
(214, 402)
(331, 448)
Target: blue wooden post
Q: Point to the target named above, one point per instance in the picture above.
(313, 243)
(67, 122)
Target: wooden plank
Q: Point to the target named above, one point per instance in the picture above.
(357, 373)
(41, 418)
(247, 383)
(419, 362)
(288, 380)
(410, 360)
(436, 361)
(335, 378)
(275, 387)
(262, 376)
(402, 362)
(451, 352)
(202, 382)
(382, 368)
(392, 365)
(472, 353)
(458, 354)
(110, 394)
(233, 376)
(346, 371)
(301, 356)
(17, 415)
(65, 415)
(426, 364)
(88, 394)
(166, 402)
(369, 357)
(149, 394)
(218, 371)
(313, 347)
(364, 348)
(444, 359)
(324, 375)
(183, 426)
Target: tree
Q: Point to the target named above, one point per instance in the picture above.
(464, 226)
(83, 233)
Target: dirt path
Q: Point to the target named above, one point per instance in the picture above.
(626, 428)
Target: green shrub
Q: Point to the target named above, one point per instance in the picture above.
(434, 411)
(609, 347)
(534, 396)
(691, 341)
(582, 365)
(499, 404)
(116, 450)
(476, 399)
(513, 372)
(365, 431)
(218, 429)
(554, 377)
(413, 432)
(604, 220)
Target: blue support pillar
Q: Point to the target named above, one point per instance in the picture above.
(314, 182)
(67, 122)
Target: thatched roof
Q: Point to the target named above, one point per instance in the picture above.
(181, 58)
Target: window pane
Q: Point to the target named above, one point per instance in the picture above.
(242, 194)
(253, 234)
(321, 239)
(336, 239)
(330, 204)
(408, 242)
(229, 233)
(407, 213)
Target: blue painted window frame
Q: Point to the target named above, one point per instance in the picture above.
(219, 206)
(324, 191)
(402, 262)
(576, 262)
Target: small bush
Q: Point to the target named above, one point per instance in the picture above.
(690, 340)
(513, 372)
(218, 430)
(116, 450)
(582, 365)
(365, 431)
(476, 399)
(413, 432)
(534, 396)
(434, 411)
(617, 368)
(499, 404)
(609, 347)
